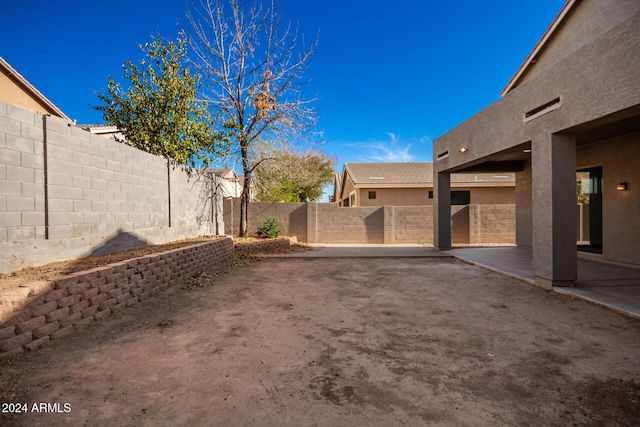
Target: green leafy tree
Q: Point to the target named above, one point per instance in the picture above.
(252, 67)
(159, 112)
(293, 177)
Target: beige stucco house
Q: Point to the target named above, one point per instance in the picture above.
(411, 184)
(16, 90)
(568, 125)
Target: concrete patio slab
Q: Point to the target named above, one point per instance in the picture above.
(614, 286)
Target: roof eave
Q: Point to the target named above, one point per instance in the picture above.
(540, 45)
(11, 72)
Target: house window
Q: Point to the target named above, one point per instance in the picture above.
(372, 195)
(460, 197)
(430, 194)
(352, 199)
(345, 203)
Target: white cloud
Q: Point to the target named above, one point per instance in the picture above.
(393, 149)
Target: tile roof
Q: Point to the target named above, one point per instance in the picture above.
(412, 173)
(390, 173)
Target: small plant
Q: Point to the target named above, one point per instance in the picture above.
(269, 229)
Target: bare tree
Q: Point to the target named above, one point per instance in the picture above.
(252, 67)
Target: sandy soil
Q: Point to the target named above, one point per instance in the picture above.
(340, 342)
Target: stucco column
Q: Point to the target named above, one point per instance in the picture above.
(554, 210)
(442, 211)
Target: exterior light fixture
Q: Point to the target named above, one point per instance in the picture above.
(526, 150)
(463, 149)
(622, 186)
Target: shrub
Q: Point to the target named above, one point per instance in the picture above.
(269, 229)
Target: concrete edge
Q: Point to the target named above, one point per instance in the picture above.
(617, 309)
(558, 290)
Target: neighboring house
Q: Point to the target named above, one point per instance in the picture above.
(570, 115)
(411, 184)
(105, 131)
(16, 90)
(230, 184)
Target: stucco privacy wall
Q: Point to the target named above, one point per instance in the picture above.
(328, 223)
(66, 193)
(34, 314)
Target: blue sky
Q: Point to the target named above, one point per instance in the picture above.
(391, 75)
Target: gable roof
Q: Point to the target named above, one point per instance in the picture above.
(390, 173)
(410, 175)
(415, 174)
(532, 58)
(21, 82)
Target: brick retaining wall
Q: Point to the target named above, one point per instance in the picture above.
(41, 311)
(267, 245)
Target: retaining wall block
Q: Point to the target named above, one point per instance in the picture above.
(65, 282)
(98, 299)
(62, 332)
(36, 344)
(8, 332)
(39, 310)
(90, 293)
(68, 301)
(78, 288)
(16, 342)
(30, 325)
(58, 314)
(46, 330)
(74, 301)
(89, 312)
(70, 320)
(107, 304)
(55, 295)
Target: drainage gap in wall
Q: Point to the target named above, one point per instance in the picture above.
(542, 109)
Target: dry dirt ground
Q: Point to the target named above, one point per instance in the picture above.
(339, 342)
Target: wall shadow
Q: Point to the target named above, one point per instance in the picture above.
(120, 242)
(374, 224)
(298, 223)
(460, 225)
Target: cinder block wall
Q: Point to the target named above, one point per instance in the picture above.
(411, 224)
(36, 313)
(66, 193)
(291, 217)
(355, 225)
(492, 224)
(329, 223)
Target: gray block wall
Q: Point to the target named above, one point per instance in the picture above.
(67, 193)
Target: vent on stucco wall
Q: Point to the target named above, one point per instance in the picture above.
(542, 109)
